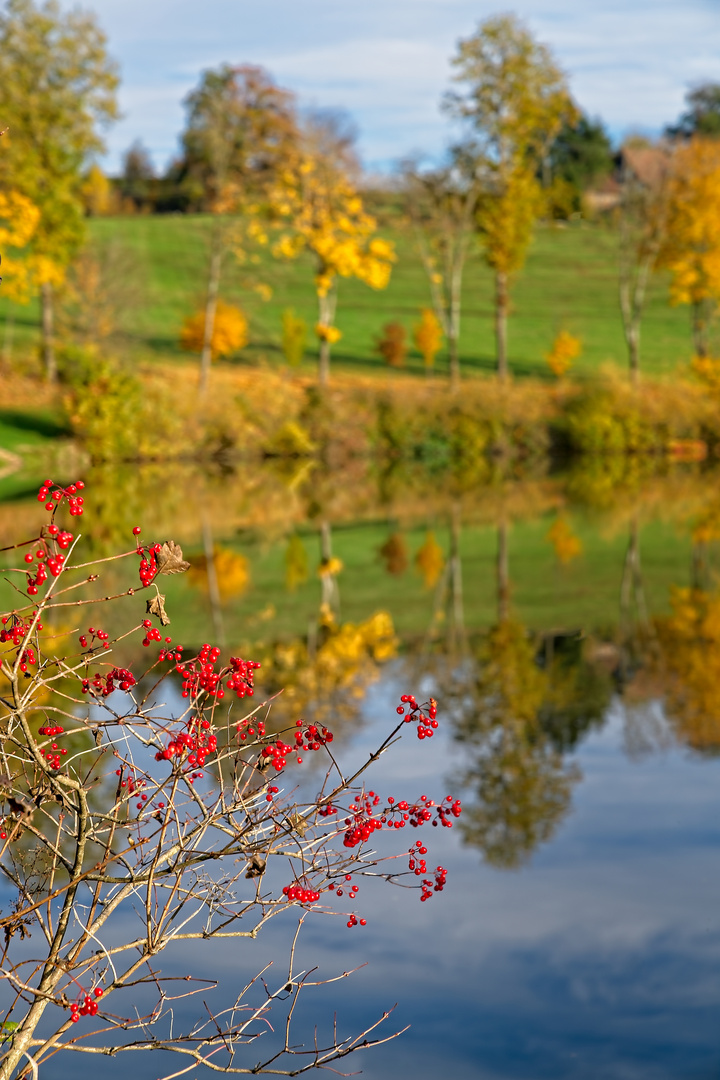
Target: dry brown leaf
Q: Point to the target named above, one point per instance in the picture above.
(170, 559)
(156, 606)
(256, 867)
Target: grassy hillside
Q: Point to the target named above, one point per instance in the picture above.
(570, 281)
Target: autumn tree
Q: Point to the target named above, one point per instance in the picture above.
(294, 337)
(691, 250)
(392, 344)
(643, 220)
(229, 331)
(514, 102)
(428, 337)
(323, 214)
(136, 177)
(241, 133)
(57, 86)
(441, 205)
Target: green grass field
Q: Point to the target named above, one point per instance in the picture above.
(570, 281)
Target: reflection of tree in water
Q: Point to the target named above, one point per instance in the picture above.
(688, 666)
(518, 713)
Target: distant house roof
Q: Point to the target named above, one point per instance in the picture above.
(648, 164)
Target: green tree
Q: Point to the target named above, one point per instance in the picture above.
(579, 156)
(137, 175)
(515, 101)
(57, 85)
(702, 116)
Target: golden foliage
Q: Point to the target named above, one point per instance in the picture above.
(19, 218)
(430, 560)
(97, 192)
(327, 218)
(565, 349)
(330, 567)
(232, 571)
(330, 334)
(428, 336)
(689, 641)
(566, 544)
(692, 249)
(506, 217)
(230, 331)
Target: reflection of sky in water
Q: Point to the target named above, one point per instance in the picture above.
(601, 958)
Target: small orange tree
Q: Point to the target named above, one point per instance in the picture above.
(428, 337)
(691, 251)
(229, 334)
(392, 345)
(565, 349)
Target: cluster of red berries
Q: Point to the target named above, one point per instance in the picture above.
(148, 562)
(353, 921)
(242, 676)
(429, 887)
(306, 738)
(27, 657)
(300, 894)
(16, 631)
(415, 863)
(195, 744)
(244, 729)
(56, 494)
(101, 635)
(363, 823)
(199, 675)
(354, 889)
(153, 634)
(271, 793)
(87, 1007)
(53, 753)
(424, 810)
(416, 714)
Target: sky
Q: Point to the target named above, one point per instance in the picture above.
(387, 62)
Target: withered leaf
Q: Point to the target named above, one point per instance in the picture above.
(156, 606)
(170, 559)
(298, 824)
(256, 867)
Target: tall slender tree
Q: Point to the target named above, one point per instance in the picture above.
(514, 102)
(57, 86)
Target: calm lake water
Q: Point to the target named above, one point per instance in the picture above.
(570, 628)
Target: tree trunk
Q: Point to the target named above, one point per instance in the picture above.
(326, 315)
(502, 573)
(210, 312)
(633, 344)
(454, 362)
(699, 329)
(501, 313)
(48, 342)
(213, 584)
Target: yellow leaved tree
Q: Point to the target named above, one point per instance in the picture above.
(691, 251)
(565, 349)
(229, 331)
(428, 337)
(324, 215)
(18, 220)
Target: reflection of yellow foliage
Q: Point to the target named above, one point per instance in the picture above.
(230, 331)
(566, 544)
(329, 680)
(330, 567)
(394, 554)
(690, 654)
(566, 348)
(231, 569)
(430, 560)
(296, 564)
